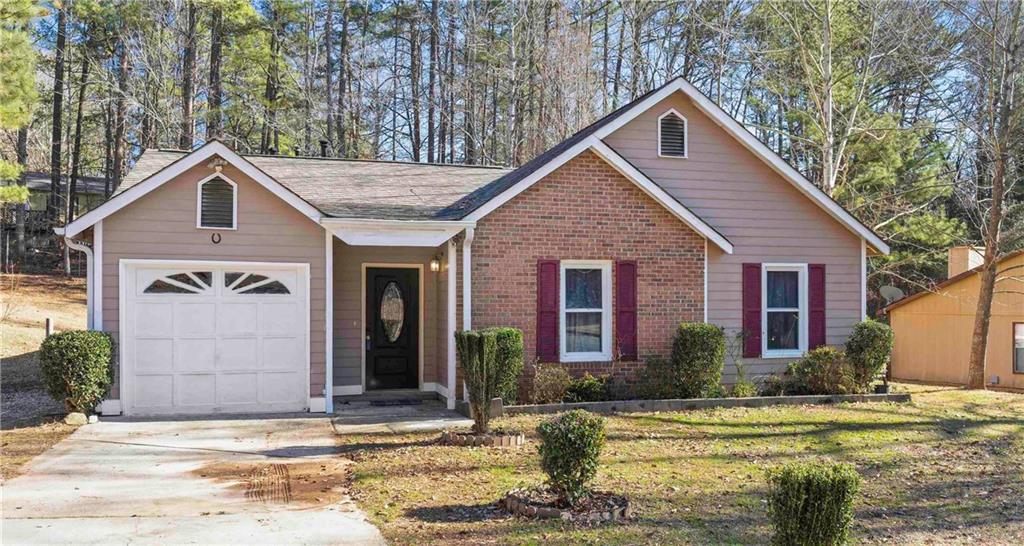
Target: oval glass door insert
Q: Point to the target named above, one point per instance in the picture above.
(392, 311)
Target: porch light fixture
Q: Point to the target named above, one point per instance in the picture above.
(435, 264)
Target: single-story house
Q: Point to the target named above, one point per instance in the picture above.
(933, 329)
(264, 283)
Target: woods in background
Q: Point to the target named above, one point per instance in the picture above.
(888, 106)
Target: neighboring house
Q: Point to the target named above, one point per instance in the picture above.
(90, 192)
(254, 283)
(934, 328)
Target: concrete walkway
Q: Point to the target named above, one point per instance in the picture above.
(361, 417)
(226, 481)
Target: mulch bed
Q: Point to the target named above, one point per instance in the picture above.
(541, 503)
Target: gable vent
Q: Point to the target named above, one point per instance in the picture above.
(217, 204)
(672, 135)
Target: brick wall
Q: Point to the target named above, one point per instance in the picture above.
(587, 210)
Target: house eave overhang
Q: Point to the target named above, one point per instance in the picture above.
(414, 233)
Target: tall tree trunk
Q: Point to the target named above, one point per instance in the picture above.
(120, 115)
(414, 84)
(343, 66)
(329, 72)
(22, 210)
(268, 137)
(188, 78)
(53, 203)
(76, 150)
(432, 82)
(215, 120)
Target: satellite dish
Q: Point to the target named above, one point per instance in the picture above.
(890, 293)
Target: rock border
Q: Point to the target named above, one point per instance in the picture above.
(628, 406)
(469, 439)
(520, 504)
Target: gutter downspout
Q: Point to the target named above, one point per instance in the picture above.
(80, 246)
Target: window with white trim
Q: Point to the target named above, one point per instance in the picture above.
(586, 301)
(783, 310)
(1018, 347)
(672, 139)
(218, 204)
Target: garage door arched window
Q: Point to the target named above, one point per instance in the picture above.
(217, 204)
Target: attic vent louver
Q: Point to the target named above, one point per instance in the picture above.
(217, 204)
(672, 135)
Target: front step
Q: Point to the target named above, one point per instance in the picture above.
(391, 395)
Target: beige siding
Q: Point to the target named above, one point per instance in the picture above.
(766, 218)
(933, 333)
(348, 307)
(162, 226)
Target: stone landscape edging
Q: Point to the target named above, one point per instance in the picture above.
(677, 404)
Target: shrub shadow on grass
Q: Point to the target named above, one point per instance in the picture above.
(452, 513)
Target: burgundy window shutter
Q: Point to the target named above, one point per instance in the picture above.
(752, 310)
(816, 303)
(625, 309)
(547, 310)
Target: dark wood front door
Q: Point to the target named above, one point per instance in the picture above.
(392, 328)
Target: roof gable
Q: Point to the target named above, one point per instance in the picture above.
(948, 283)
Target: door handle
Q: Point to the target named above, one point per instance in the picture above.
(367, 342)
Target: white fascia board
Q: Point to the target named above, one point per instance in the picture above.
(208, 150)
(758, 148)
(661, 196)
(419, 233)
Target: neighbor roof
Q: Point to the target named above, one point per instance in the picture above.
(40, 181)
(390, 190)
(948, 282)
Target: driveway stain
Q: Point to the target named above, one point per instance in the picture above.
(304, 484)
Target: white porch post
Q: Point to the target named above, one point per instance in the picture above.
(329, 318)
(452, 258)
(97, 276)
(467, 289)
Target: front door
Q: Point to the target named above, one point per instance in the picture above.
(392, 328)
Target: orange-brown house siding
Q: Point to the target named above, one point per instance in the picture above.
(586, 210)
(933, 332)
(161, 225)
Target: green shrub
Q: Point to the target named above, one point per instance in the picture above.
(772, 385)
(868, 351)
(476, 351)
(587, 389)
(550, 381)
(811, 504)
(694, 369)
(743, 389)
(569, 448)
(77, 368)
(824, 370)
(510, 362)
(656, 379)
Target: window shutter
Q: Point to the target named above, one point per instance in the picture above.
(816, 305)
(625, 309)
(218, 204)
(672, 131)
(547, 310)
(752, 310)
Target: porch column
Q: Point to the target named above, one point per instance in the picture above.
(467, 280)
(452, 259)
(329, 318)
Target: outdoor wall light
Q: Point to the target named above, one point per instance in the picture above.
(435, 264)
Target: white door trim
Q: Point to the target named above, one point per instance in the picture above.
(126, 265)
(362, 317)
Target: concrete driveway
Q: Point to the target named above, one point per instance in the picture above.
(227, 481)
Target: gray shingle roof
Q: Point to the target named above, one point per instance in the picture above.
(354, 188)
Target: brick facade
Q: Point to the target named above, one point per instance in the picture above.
(586, 210)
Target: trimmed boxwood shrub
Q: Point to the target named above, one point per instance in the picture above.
(743, 389)
(694, 369)
(509, 365)
(868, 351)
(824, 370)
(812, 503)
(476, 351)
(569, 448)
(588, 389)
(77, 367)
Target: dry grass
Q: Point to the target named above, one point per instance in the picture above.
(946, 469)
(28, 413)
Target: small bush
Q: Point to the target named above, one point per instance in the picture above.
(822, 371)
(698, 355)
(656, 379)
(509, 365)
(868, 351)
(772, 385)
(812, 503)
(550, 381)
(744, 389)
(588, 389)
(476, 351)
(569, 448)
(77, 368)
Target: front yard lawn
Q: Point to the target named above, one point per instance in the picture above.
(947, 468)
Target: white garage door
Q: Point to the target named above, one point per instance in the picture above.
(206, 337)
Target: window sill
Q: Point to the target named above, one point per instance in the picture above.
(783, 354)
(584, 357)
